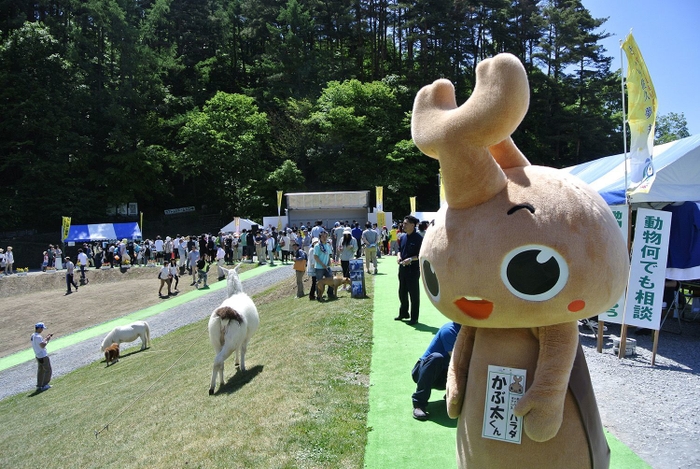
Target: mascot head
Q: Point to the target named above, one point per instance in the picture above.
(517, 245)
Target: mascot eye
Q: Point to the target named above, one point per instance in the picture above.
(431, 280)
(534, 272)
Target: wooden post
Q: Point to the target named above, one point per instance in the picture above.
(601, 328)
(623, 341)
(656, 344)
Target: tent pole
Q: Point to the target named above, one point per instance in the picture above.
(624, 116)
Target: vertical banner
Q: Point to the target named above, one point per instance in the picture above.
(141, 222)
(412, 201)
(381, 219)
(614, 314)
(443, 201)
(65, 229)
(641, 117)
(279, 210)
(380, 198)
(237, 224)
(645, 290)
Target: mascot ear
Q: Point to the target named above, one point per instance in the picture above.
(472, 141)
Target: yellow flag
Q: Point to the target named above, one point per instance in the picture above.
(413, 204)
(641, 116)
(66, 228)
(380, 198)
(381, 219)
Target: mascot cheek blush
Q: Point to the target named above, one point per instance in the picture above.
(535, 250)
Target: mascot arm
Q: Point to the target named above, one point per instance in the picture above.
(542, 406)
(459, 367)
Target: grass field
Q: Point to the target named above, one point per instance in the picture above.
(302, 403)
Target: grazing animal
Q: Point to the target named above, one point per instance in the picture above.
(333, 283)
(112, 354)
(133, 331)
(231, 326)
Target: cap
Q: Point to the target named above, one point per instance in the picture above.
(40, 325)
(337, 223)
(314, 240)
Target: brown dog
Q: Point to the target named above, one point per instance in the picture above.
(112, 354)
(334, 283)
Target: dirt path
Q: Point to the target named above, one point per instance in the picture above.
(41, 297)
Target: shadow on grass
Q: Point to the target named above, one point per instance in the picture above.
(240, 379)
(438, 414)
(425, 328)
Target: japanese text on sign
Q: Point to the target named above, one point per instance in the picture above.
(648, 269)
(505, 387)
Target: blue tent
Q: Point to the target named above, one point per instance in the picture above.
(677, 168)
(103, 232)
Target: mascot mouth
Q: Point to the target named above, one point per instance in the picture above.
(476, 308)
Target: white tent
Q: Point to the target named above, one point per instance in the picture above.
(243, 224)
(677, 168)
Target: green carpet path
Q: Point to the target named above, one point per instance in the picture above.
(104, 328)
(395, 438)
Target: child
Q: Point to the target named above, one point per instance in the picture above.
(174, 272)
(202, 269)
(165, 278)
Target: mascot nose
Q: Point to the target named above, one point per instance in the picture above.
(477, 308)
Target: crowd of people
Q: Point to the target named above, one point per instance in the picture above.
(312, 251)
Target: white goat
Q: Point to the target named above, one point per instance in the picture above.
(231, 326)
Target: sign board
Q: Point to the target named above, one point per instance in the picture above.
(645, 290)
(173, 211)
(504, 388)
(614, 314)
(357, 278)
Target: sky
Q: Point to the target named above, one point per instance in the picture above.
(668, 35)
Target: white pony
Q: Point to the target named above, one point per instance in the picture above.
(231, 326)
(133, 331)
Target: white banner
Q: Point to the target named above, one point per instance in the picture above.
(614, 314)
(648, 269)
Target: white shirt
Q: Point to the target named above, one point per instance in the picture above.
(287, 243)
(173, 271)
(39, 351)
(82, 259)
(159, 245)
(164, 272)
(220, 253)
(270, 243)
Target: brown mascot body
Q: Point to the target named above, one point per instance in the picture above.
(536, 250)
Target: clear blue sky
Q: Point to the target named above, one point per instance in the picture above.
(668, 35)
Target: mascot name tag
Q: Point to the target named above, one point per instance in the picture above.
(504, 389)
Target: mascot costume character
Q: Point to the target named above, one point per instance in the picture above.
(535, 250)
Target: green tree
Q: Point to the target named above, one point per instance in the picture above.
(41, 146)
(223, 156)
(670, 127)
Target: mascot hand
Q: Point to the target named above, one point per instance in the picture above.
(455, 398)
(542, 414)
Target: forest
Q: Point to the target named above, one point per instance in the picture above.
(218, 104)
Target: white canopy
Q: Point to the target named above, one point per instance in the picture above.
(677, 168)
(243, 224)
